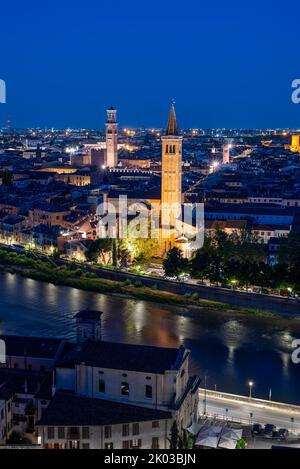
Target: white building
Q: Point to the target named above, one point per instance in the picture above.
(130, 393)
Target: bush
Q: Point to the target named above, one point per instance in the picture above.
(127, 283)
(138, 284)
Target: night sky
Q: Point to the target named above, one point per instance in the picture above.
(226, 63)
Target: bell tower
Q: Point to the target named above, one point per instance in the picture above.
(171, 178)
(111, 125)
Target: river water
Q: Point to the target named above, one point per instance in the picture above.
(229, 349)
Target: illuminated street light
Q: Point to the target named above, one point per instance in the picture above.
(250, 384)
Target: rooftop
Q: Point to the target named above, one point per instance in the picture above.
(40, 347)
(88, 314)
(68, 409)
(128, 357)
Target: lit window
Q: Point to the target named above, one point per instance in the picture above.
(125, 389)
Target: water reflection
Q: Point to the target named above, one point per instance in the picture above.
(229, 350)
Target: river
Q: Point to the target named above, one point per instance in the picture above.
(229, 349)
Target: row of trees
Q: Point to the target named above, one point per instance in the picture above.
(230, 260)
(227, 260)
(111, 251)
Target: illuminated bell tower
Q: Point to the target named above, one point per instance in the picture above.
(171, 177)
(226, 154)
(111, 125)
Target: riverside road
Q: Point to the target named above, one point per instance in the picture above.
(273, 304)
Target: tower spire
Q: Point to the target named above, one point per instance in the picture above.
(172, 124)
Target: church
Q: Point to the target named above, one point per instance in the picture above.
(172, 225)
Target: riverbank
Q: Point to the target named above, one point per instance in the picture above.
(72, 276)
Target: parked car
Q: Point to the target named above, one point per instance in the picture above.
(269, 430)
(256, 429)
(282, 434)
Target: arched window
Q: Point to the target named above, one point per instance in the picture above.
(167, 148)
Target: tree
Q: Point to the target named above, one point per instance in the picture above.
(174, 263)
(140, 249)
(7, 177)
(124, 258)
(224, 258)
(185, 440)
(289, 255)
(99, 248)
(174, 436)
(115, 253)
(201, 263)
(241, 444)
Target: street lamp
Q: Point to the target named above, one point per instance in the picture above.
(250, 384)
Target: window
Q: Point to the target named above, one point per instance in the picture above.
(136, 443)
(29, 367)
(125, 389)
(125, 430)
(148, 391)
(50, 433)
(85, 433)
(61, 433)
(74, 433)
(101, 386)
(126, 444)
(155, 442)
(155, 424)
(135, 429)
(74, 445)
(42, 368)
(109, 446)
(107, 432)
(85, 446)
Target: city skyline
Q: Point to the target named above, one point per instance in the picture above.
(63, 70)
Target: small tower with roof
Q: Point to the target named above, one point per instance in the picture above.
(88, 325)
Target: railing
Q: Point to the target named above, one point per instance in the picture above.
(253, 400)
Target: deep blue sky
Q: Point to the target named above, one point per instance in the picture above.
(227, 63)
